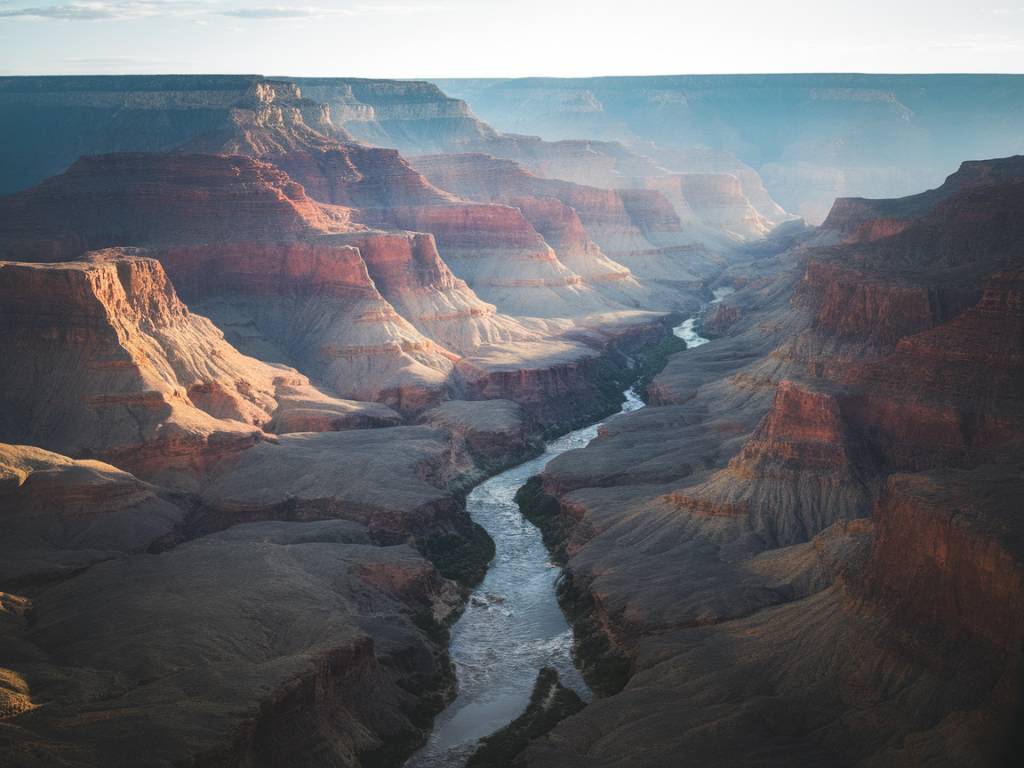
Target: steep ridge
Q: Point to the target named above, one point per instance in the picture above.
(105, 361)
(811, 137)
(417, 117)
(712, 206)
(241, 239)
(747, 548)
(407, 269)
(138, 199)
(412, 116)
(358, 177)
(703, 160)
(561, 228)
(864, 220)
(502, 258)
(49, 122)
(645, 235)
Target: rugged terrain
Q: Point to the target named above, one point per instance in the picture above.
(239, 415)
(794, 555)
(255, 357)
(810, 137)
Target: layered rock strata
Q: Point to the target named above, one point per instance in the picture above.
(631, 228)
(115, 366)
(848, 493)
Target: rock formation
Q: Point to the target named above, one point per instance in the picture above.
(62, 515)
(502, 258)
(811, 137)
(49, 122)
(409, 273)
(630, 229)
(417, 117)
(117, 367)
(781, 526)
(806, 550)
(277, 642)
(244, 242)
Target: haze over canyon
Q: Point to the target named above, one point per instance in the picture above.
(542, 422)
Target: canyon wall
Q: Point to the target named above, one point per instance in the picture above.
(811, 137)
(826, 491)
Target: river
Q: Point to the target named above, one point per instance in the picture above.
(513, 625)
(686, 329)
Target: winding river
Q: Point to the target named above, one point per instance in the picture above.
(686, 329)
(512, 625)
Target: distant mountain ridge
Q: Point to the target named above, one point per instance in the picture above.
(813, 137)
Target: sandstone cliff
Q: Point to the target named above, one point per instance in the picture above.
(114, 365)
(743, 550)
(811, 137)
(242, 240)
(502, 258)
(631, 230)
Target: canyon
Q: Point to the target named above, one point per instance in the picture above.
(341, 427)
(737, 541)
(809, 137)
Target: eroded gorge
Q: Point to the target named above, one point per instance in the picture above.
(339, 427)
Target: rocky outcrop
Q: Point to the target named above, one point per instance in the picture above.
(948, 395)
(672, 254)
(495, 432)
(278, 642)
(106, 370)
(720, 319)
(317, 476)
(115, 366)
(271, 118)
(358, 177)
(798, 473)
(863, 220)
(755, 509)
(711, 206)
(952, 536)
(140, 199)
(502, 258)
(629, 230)
(585, 216)
(314, 305)
(412, 116)
(703, 160)
(561, 228)
(409, 273)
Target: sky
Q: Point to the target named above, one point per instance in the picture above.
(518, 38)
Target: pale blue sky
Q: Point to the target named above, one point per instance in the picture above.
(461, 38)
